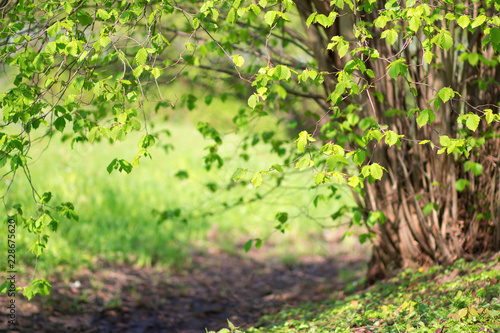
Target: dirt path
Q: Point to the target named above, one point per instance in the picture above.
(218, 287)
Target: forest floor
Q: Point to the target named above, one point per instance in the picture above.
(215, 288)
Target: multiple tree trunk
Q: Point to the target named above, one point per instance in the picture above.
(463, 223)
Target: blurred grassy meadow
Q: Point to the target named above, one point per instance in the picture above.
(116, 221)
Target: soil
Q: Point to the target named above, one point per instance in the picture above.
(216, 287)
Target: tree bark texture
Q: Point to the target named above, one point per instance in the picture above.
(463, 223)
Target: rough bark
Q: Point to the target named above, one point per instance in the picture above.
(465, 223)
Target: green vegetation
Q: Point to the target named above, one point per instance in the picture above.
(384, 114)
(252, 120)
(461, 298)
(117, 223)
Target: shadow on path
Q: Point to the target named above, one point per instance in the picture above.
(117, 298)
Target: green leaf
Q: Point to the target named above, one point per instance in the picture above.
(364, 237)
(282, 72)
(54, 29)
(248, 245)
(302, 141)
(391, 138)
(257, 179)
(381, 21)
(104, 41)
(269, 17)
(425, 116)
(304, 163)
(414, 23)
(359, 157)
(94, 134)
(338, 176)
(84, 18)
(397, 68)
(477, 169)
(72, 48)
(365, 171)
(375, 217)
(230, 324)
(320, 178)
(495, 39)
(258, 245)
(478, 21)
(146, 141)
(38, 63)
(252, 101)
(473, 58)
(444, 141)
(282, 217)
(277, 167)
(310, 19)
(138, 71)
(118, 134)
(40, 286)
(156, 72)
(463, 21)
(4, 288)
(376, 171)
(428, 55)
(446, 94)
(450, 16)
(446, 39)
(141, 57)
(390, 35)
(125, 166)
(429, 207)
(78, 83)
(98, 88)
(238, 60)
(208, 99)
(375, 134)
(422, 118)
(489, 116)
(256, 9)
(342, 48)
(82, 57)
(46, 197)
(281, 91)
(312, 74)
(341, 159)
(67, 7)
(182, 174)
(60, 123)
(353, 181)
(336, 150)
(472, 122)
(51, 48)
(231, 15)
(461, 184)
(331, 162)
(324, 20)
(102, 14)
(239, 173)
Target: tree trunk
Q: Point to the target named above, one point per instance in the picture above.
(427, 220)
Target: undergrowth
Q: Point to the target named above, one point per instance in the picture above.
(461, 298)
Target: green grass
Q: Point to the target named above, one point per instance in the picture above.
(460, 298)
(116, 222)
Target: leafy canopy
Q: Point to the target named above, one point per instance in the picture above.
(93, 70)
